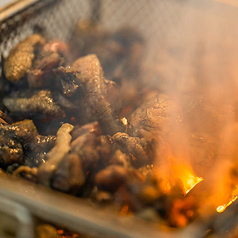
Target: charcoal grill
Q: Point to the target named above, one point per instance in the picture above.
(159, 22)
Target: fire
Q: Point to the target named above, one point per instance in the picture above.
(189, 179)
(179, 171)
(234, 197)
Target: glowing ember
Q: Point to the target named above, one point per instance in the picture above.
(222, 208)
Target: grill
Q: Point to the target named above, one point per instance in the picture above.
(165, 25)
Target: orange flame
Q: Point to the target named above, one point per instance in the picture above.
(234, 197)
(178, 170)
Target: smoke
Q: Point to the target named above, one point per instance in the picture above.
(197, 67)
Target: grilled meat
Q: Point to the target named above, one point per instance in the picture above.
(21, 57)
(40, 102)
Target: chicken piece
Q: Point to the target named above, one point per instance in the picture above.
(96, 105)
(10, 151)
(85, 147)
(21, 140)
(52, 55)
(26, 172)
(43, 143)
(141, 150)
(119, 52)
(153, 118)
(21, 57)
(40, 102)
(36, 152)
(120, 158)
(14, 140)
(89, 152)
(56, 155)
(69, 175)
(66, 79)
(111, 178)
(93, 128)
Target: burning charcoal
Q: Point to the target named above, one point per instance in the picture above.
(52, 55)
(20, 58)
(96, 103)
(69, 175)
(40, 102)
(46, 231)
(56, 155)
(119, 158)
(142, 150)
(111, 178)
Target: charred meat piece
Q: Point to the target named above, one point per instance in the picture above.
(20, 58)
(23, 131)
(40, 102)
(52, 55)
(16, 139)
(152, 118)
(119, 52)
(69, 175)
(27, 173)
(111, 178)
(56, 155)
(120, 158)
(93, 128)
(10, 151)
(89, 153)
(141, 150)
(96, 105)
(66, 79)
(43, 143)
(85, 147)
(36, 151)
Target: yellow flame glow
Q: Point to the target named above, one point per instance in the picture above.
(179, 170)
(223, 207)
